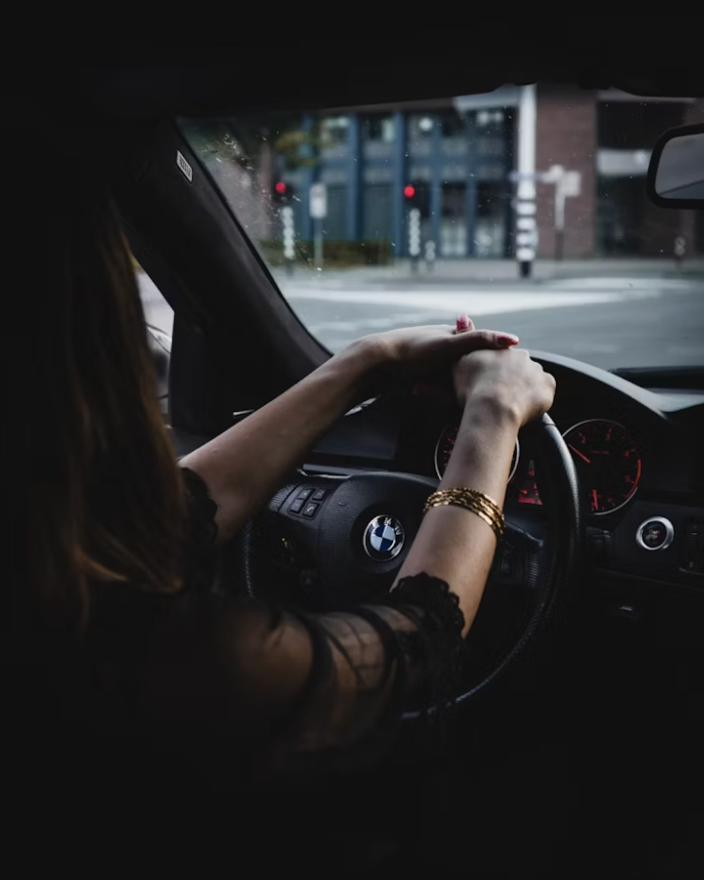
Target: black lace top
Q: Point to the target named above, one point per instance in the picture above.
(225, 685)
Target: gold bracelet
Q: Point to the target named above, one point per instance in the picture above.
(470, 499)
(475, 502)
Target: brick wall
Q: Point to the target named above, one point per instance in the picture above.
(566, 135)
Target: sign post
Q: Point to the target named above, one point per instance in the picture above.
(429, 255)
(414, 237)
(556, 176)
(680, 250)
(318, 211)
(568, 184)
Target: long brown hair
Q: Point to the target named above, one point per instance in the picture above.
(100, 494)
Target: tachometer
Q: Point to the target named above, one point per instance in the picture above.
(446, 443)
(607, 461)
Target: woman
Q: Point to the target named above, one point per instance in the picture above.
(108, 636)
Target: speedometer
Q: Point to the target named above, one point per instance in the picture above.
(607, 461)
(446, 443)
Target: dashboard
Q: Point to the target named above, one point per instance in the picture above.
(606, 455)
(637, 451)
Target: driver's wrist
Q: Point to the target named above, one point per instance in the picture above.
(368, 353)
(492, 409)
(377, 351)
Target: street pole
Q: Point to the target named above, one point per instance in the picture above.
(289, 237)
(318, 209)
(414, 238)
(430, 255)
(318, 243)
(680, 250)
(560, 198)
(526, 210)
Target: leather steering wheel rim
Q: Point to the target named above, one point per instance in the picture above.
(557, 478)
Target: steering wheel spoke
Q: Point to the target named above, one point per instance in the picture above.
(518, 558)
(518, 537)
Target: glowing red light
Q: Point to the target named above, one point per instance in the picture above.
(409, 192)
(280, 187)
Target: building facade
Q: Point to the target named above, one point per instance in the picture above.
(453, 160)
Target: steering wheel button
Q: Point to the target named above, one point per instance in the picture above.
(311, 509)
(297, 505)
(319, 494)
(304, 494)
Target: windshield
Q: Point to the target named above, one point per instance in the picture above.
(525, 208)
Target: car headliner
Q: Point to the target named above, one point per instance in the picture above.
(141, 80)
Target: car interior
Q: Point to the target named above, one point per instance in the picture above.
(576, 744)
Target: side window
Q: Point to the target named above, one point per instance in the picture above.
(160, 321)
(157, 312)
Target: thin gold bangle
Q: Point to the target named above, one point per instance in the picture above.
(484, 507)
(463, 492)
(477, 502)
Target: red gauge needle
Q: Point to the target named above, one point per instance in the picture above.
(581, 455)
(596, 500)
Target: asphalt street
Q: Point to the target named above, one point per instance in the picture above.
(609, 321)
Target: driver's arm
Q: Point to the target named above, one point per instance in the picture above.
(328, 679)
(292, 683)
(501, 391)
(453, 544)
(244, 466)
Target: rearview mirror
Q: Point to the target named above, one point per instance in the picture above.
(676, 173)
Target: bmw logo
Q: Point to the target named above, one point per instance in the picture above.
(383, 538)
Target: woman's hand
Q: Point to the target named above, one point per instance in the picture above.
(508, 381)
(417, 350)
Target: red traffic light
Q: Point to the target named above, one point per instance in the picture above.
(280, 187)
(409, 192)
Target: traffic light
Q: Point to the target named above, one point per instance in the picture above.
(416, 194)
(281, 193)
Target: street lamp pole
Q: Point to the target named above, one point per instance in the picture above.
(560, 198)
(526, 210)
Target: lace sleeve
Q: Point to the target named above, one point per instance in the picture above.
(199, 559)
(382, 660)
(435, 647)
(296, 684)
(302, 682)
(202, 530)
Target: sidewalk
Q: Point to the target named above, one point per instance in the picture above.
(506, 271)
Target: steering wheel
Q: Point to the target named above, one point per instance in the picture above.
(344, 540)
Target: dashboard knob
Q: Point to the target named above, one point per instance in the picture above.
(656, 533)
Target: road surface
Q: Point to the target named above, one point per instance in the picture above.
(607, 321)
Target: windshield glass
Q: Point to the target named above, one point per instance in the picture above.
(525, 208)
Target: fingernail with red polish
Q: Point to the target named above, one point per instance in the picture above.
(507, 339)
(463, 323)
